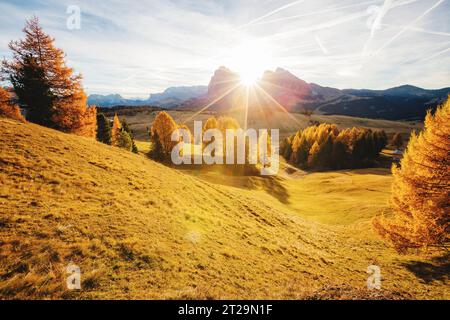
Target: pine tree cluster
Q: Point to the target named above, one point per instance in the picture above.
(324, 146)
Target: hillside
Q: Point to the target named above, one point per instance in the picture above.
(138, 229)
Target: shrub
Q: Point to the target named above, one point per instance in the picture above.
(127, 129)
(124, 140)
(7, 109)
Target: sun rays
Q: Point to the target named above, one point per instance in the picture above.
(249, 60)
(255, 51)
(248, 99)
(223, 95)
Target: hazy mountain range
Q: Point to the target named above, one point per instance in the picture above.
(282, 89)
(171, 97)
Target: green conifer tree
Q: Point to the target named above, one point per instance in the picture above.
(103, 129)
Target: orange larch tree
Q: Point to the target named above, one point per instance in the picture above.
(421, 188)
(115, 130)
(49, 90)
(160, 135)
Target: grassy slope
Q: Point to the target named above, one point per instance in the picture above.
(333, 198)
(138, 229)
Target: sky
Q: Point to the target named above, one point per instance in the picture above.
(135, 48)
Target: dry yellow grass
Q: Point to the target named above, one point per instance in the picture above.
(335, 198)
(138, 229)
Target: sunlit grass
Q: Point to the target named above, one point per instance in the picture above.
(139, 229)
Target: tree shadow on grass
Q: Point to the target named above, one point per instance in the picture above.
(438, 269)
(239, 178)
(273, 186)
(365, 171)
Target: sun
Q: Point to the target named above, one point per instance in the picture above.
(249, 77)
(250, 60)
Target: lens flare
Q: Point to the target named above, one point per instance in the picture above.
(250, 60)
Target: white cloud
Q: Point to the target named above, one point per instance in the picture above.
(138, 47)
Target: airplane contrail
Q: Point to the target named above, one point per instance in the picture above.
(376, 23)
(435, 55)
(393, 5)
(402, 3)
(406, 28)
(320, 44)
(321, 26)
(316, 12)
(272, 13)
(419, 30)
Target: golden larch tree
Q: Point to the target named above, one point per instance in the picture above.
(313, 153)
(45, 86)
(211, 123)
(115, 130)
(185, 127)
(72, 116)
(224, 124)
(161, 130)
(421, 187)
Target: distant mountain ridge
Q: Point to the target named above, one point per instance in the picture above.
(108, 100)
(404, 90)
(174, 96)
(404, 102)
(282, 89)
(171, 97)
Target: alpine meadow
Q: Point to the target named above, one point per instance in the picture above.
(225, 150)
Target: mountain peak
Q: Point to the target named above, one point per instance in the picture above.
(221, 81)
(223, 69)
(281, 70)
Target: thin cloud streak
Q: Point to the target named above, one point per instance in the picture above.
(317, 12)
(140, 47)
(418, 30)
(436, 54)
(271, 13)
(406, 28)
